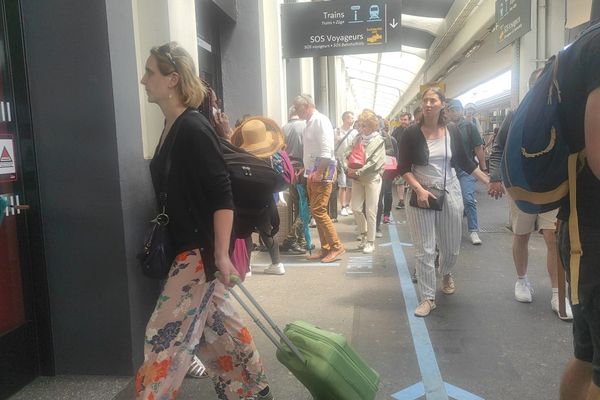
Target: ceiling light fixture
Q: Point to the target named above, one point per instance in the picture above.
(474, 47)
(452, 67)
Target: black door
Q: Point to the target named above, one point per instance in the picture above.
(25, 347)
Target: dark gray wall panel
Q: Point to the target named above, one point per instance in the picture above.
(76, 146)
(137, 196)
(241, 64)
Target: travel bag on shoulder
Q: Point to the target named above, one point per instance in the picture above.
(159, 251)
(323, 361)
(535, 162)
(253, 182)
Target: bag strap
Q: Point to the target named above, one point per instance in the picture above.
(446, 156)
(342, 141)
(576, 251)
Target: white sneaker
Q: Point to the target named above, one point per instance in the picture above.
(523, 291)
(369, 248)
(568, 312)
(275, 269)
(350, 211)
(475, 238)
(344, 212)
(378, 234)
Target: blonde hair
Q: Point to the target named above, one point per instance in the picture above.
(369, 119)
(170, 58)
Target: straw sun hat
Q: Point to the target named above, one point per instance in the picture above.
(258, 135)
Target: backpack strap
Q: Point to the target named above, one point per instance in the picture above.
(343, 139)
(574, 227)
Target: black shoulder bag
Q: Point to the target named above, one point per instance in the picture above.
(158, 252)
(438, 203)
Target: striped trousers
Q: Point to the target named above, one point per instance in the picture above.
(428, 228)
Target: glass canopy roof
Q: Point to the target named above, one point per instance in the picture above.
(377, 81)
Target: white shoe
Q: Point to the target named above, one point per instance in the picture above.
(344, 212)
(475, 238)
(369, 247)
(350, 211)
(378, 234)
(275, 269)
(523, 291)
(568, 311)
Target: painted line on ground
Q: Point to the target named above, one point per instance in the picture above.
(298, 264)
(432, 386)
(387, 244)
(360, 264)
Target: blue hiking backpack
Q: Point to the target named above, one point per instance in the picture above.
(535, 160)
(538, 167)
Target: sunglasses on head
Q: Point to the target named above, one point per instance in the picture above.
(165, 50)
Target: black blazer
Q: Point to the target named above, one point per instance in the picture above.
(414, 150)
(198, 184)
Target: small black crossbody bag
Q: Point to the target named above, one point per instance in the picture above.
(159, 251)
(434, 203)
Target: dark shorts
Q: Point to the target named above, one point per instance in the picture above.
(586, 314)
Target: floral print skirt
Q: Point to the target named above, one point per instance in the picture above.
(193, 316)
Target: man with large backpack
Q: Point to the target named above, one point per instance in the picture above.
(523, 224)
(552, 158)
(473, 144)
(579, 80)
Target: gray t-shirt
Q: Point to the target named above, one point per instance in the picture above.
(292, 132)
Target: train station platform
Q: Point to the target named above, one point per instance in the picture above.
(480, 343)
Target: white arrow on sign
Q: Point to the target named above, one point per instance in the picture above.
(393, 24)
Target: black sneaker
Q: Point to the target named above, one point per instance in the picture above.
(297, 249)
(400, 205)
(265, 394)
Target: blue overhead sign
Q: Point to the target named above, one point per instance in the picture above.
(327, 28)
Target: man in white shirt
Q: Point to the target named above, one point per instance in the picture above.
(318, 139)
(344, 138)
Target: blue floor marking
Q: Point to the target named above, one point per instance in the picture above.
(432, 386)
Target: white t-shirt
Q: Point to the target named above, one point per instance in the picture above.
(343, 145)
(318, 139)
(432, 174)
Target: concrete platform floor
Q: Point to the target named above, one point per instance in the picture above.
(484, 342)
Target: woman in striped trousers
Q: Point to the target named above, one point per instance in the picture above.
(428, 153)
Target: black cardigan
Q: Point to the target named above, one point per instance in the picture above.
(414, 150)
(198, 184)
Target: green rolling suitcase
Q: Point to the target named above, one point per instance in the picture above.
(323, 361)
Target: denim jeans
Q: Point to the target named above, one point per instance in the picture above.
(467, 187)
(385, 201)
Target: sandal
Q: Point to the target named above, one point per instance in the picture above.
(197, 369)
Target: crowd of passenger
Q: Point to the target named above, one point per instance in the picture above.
(434, 158)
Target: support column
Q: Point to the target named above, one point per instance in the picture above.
(272, 66)
(515, 74)
(528, 53)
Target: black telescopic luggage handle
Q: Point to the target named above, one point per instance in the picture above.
(257, 321)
